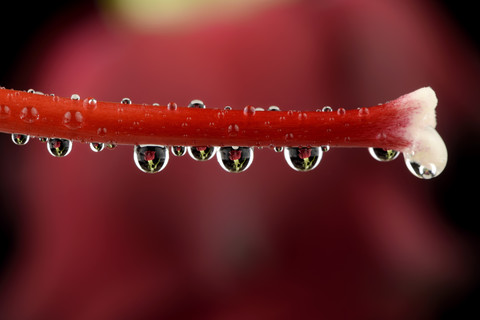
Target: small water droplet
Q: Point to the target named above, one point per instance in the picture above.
(20, 139)
(155, 104)
(90, 103)
(197, 104)
(325, 148)
(59, 147)
(289, 136)
(4, 112)
(302, 116)
(172, 106)
(75, 97)
(31, 91)
(227, 108)
(327, 109)
(278, 149)
(233, 129)
(273, 108)
(303, 158)
(249, 111)
(126, 101)
(73, 119)
(150, 159)
(235, 159)
(178, 151)
(363, 111)
(29, 114)
(383, 155)
(341, 111)
(202, 153)
(111, 146)
(42, 139)
(97, 146)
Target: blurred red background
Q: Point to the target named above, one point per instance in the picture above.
(91, 237)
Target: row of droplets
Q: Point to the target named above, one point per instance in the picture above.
(153, 158)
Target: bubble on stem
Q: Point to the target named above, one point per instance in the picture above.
(150, 159)
(20, 139)
(235, 159)
(202, 153)
(97, 146)
(383, 155)
(303, 158)
(58, 147)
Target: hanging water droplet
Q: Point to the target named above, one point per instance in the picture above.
(150, 159)
(111, 146)
(303, 158)
(178, 151)
(126, 101)
(325, 148)
(235, 159)
(20, 139)
(383, 155)
(75, 97)
(97, 146)
(327, 109)
(197, 104)
(42, 139)
(202, 153)
(278, 149)
(59, 147)
(273, 108)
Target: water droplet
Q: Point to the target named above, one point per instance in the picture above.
(4, 112)
(341, 111)
(126, 101)
(423, 172)
(273, 108)
(97, 146)
(325, 148)
(233, 129)
(227, 108)
(42, 139)
(327, 109)
(111, 146)
(172, 106)
(278, 149)
(235, 159)
(383, 155)
(150, 159)
(29, 114)
(303, 158)
(302, 116)
(197, 104)
(249, 111)
(20, 139)
(31, 91)
(102, 132)
(59, 147)
(363, 111)
(75, 97)
(178, 151)
(73, 119)
(90, 104)
(202, 153)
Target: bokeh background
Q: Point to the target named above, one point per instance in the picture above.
(91, 237)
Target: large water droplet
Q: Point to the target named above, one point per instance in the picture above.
(383, 155)
(197, 104)
(303, 158)
(150, 159)
(178, 151)
(20, 139)
(59, 147)
(97, 146)
(235, 159)
(202, 153)
(73, 119)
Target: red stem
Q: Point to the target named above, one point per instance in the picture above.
(381, 126)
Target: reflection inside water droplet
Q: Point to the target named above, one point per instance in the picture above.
(421, 171)
(202, 153)
(235, 159)
(303, 158)
(59, 147)
(20, 139)
(150, 159)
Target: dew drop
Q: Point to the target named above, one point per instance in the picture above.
(202, 153)
(73, 119)
(249, 111)
(426, 172)
(111, 146)
(178, 151)
(172, 106)
(325, 148)
(278, 149)
(383, 155)
(273, 108)
(31, 90)
(155, 104)
(29, 114)
(90, 104)
(327, 109)
(227, 108)
(4, 112)
(43, 139)
(197, 104)
(341, 111)
(363, 111)
(97, 146)
(75, 97)
(59, 147)
(150, 159)
(235, 159)
(303, 158)
(20, 139)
